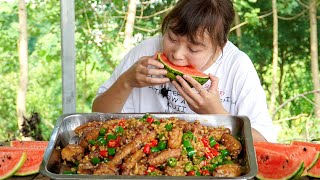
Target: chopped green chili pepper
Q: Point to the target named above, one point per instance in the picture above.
(188, 167)
(69, 172)
(156, 122)
(102, 131)
(217, 160)
(144, 117)
(197, 173)
(168, 127)
(227, 162)
(102, 141)
(119, 130)
(191, 152)
(172, 162)
(187, 144)
(160, 136)
(212, 167)
(224, 152)
(212, 142)
(95, 161)
(187, 136)
(111, 136)
(92, 142)
(152, 173)
(76, 163)
(162, 145)
(155, 149)
(111, 151)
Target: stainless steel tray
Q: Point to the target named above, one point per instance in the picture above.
(63, 134)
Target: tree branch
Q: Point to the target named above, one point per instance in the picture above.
(295, 97)
(291, 118)
(147, 30)
(303, 4)
(155, 14)
(293, 17)
(246, 22)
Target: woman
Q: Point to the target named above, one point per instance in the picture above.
(194, 34)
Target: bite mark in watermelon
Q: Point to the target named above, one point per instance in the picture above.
(33, 159)
(275, 165)
(11, 162)
(174, 70)
(308, 155)
(315, 170)
(30, 144)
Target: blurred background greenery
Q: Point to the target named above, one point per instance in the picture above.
(100, 35)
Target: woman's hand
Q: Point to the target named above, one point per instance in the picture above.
(200, 100)
(146, 71)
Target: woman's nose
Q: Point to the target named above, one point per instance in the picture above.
(178, 56)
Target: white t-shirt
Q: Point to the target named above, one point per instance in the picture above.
(239, 86)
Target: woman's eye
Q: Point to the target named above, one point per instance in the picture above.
(171, 39)
(192, 50)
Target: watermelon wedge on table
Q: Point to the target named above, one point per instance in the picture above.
(33, 159)
(276, 165)
(30, 144)
(10, 162)
(309, 155)
(315, 170)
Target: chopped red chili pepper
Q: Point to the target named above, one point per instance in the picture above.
(112, 143)
(209, 155)
(154, 143)
(214, 152)
(191, 173)
(122, 123)
(103, 153)
(205, 172)
(205, 142)
(146, 148)
(151, 168)
(150, 120)
(216, 146)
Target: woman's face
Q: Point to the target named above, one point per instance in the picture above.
(182, 52)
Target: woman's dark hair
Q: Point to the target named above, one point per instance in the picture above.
(194, 17)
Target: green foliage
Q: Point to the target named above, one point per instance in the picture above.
(99, 48)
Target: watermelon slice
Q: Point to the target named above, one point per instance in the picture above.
(315, 170)
(10, 162)
(174, 70)
(30, 144)
(275, 165)
(33, 159)
(309, 155)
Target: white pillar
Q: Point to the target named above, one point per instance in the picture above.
(68, 56)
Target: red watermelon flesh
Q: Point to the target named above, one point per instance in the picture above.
(33, 160)
(174, 70)
(309, 155)
(30, 144)
(315, 170)
(10, 162)
(275, 165)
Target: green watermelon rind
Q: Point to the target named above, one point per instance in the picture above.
(314, 161)
(294, 175)
(27, 169)
(299, 173)
(23, 158)
(311, 174)
(27, 173)
(172, 73)
(304, 143)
